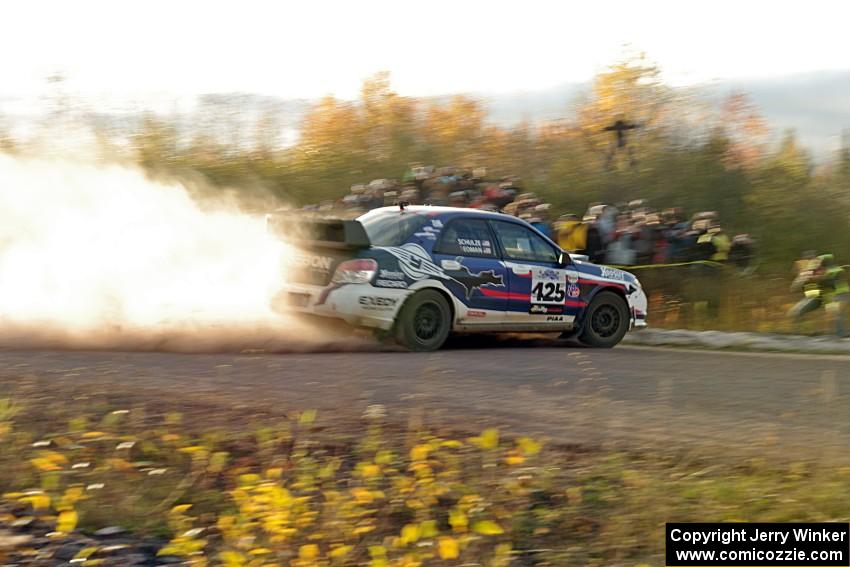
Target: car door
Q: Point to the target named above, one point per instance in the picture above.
(467, 253)
(541, 291)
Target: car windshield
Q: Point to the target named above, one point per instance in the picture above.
(392, 229)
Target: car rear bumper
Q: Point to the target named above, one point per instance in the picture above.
(359, 305)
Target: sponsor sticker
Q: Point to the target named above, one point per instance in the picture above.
(554, 318)
(322, 263)
(572, 277)
(573, 290)
(613, 274)
(390, 275)
(472, 313)
(549, 275)
(377, 303)
(545, 309)
(391, 283)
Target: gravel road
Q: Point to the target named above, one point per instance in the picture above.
(734, 401)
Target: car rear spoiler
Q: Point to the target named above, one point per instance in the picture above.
(318, 232)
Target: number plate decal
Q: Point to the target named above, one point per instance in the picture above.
(548, 286)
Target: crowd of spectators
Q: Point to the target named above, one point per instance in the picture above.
(624, 234)
(635, 234)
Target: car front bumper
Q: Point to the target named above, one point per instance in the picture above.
(637, 306)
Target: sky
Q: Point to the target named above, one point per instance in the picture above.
(138, 48)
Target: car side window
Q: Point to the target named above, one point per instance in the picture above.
(467, 237)
(520, 243)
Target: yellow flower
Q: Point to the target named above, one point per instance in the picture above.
(528, 446)
(489, 439)
(379, 556)
(307, 417)
(514, 459)
(39, 501)
(448, 547)
(232, 559)
(67, 521)
(384, 457)
(370, 471)
(458, 520)
(362, 530)
(362, 495)
(45, 465)
(420, 452)
(308, 552)
(487, 527)
(340, 551)
(410, 534)
(49, 461)
(428, 528)
(274, 473)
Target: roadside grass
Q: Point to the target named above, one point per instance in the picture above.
(306, 490)
(683, 298)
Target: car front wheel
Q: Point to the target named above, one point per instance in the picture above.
(606, 321)
(424, 322)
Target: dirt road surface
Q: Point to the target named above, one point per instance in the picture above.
(735, 402)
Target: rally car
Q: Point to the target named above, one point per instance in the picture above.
(423, 272)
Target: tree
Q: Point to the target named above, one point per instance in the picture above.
(453, 132)
(630, 94)
(744, 128)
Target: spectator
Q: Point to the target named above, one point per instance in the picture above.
(742, 253)
(540, 219)
(606, 222)
(620, 251)
(721, 244)
(571, 233)
(595, 242)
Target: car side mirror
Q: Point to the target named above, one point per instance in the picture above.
(564, 259)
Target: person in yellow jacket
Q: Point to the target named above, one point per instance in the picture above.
(823, 283)
(571, 233)
(722, 244)
(717, 242)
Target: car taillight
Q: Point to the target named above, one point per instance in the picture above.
(355, 271)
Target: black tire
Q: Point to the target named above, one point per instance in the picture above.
(424, 322)
(606, 321)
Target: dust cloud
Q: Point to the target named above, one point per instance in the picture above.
(94, 255)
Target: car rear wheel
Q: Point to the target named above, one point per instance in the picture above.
(424, 322)
(606, 321)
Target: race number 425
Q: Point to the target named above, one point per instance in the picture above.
(548, 291)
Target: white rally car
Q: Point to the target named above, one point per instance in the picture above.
(422, 272)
